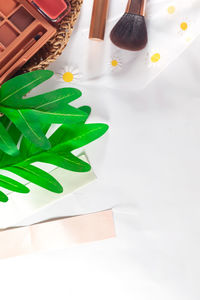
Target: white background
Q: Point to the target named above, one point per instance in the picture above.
(148, 170)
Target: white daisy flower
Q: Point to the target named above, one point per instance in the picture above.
(68, 74)
(115, 62)
(155, 58)
(171, 9)
(184, 26)
(186, 29)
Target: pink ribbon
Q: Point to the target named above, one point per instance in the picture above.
(56, 234)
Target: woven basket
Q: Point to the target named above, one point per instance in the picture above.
(54, 48)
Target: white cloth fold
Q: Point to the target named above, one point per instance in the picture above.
(172, 27)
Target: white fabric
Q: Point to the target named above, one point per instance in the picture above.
(172, 27)
(148, 169)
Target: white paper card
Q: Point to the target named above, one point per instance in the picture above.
(21, 206)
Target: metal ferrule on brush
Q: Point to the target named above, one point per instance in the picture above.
(136, 7)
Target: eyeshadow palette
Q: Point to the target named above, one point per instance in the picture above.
(23, 31)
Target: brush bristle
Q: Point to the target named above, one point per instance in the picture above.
(130, 32)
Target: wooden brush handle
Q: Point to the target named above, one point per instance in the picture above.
(136, 7)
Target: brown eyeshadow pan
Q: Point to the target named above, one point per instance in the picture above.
(21, 19)
(7, 34)
(7, 8)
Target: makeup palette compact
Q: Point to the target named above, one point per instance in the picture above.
(24, 30)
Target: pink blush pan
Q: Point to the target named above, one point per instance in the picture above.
(53, 11)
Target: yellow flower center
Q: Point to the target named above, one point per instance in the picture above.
(68, 77)
(114, 63)
(184, 26)
(155, 57)
(171, 10)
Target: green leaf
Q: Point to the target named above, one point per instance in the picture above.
(6, 143)
(65, 140)
(12, 185)
(86, 109)
(66, 114)
(29, 124)
(29, 148)
(15, 135)
(3, 197)
(37, 176)
(56, 99)
(48, 101)
(30, 115)
(77, 139)
(26, 122)
(19, 86)
(66, 161)
(5, 121)
(14, 132)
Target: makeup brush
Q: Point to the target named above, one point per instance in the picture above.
(98, 20)
(130, 32)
